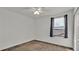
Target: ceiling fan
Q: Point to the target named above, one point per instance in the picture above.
(37, 10)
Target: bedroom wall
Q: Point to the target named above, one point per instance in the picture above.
(43, 30)
(14, 28)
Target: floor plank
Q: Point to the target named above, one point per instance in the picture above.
(37, 46)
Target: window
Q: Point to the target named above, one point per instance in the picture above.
(58, 27)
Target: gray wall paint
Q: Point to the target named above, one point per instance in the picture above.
(14, 28)
(43, 30)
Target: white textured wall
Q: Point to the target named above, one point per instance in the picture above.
(14, 28)
(43, 30)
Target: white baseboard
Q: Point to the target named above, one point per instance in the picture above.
(16, 44)
(28, 41)
(54, 43)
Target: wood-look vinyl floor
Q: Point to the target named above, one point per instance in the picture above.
(37, 46)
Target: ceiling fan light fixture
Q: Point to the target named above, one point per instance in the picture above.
(37, 11)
